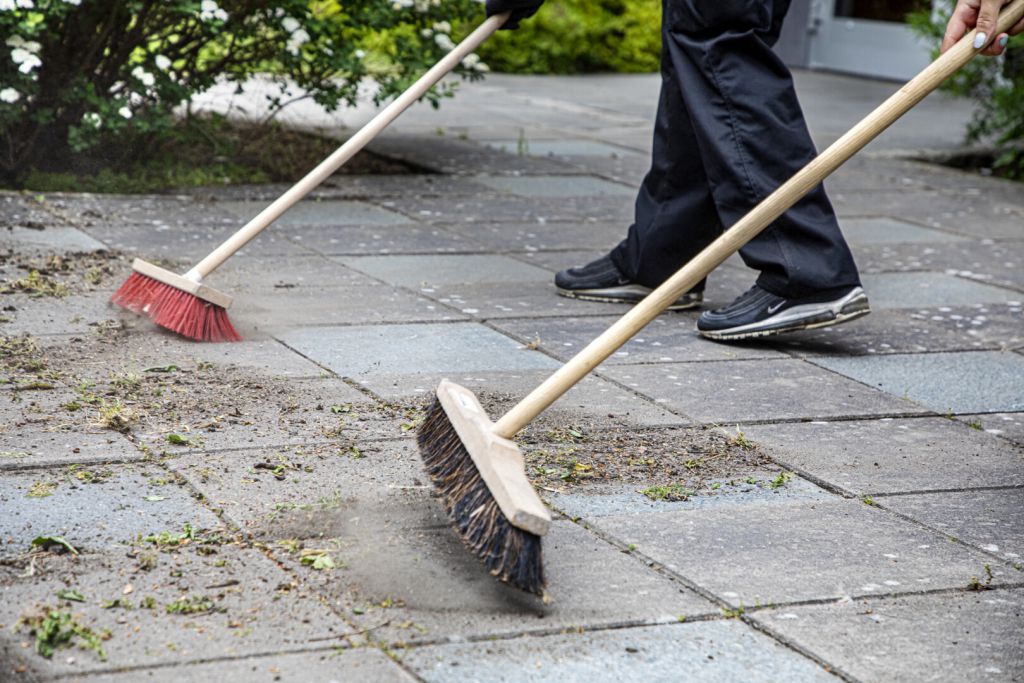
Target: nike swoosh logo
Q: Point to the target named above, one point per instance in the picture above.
(772, 309)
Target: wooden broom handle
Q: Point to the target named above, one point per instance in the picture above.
(332, 163)
(747, 227)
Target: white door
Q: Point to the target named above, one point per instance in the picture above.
(868, 37)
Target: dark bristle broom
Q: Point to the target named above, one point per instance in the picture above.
(480, 472)
(183, 304)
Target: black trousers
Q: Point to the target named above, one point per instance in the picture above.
(729, 131)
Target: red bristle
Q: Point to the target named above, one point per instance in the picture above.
(191, 317)
(175, 309)
(136, 293)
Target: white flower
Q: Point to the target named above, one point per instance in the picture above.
(359, 54)
(26, 59)
(125, 112)
(443, 27)
(444, 42)
(297, 40)
(7, 5)
(290, 24)
(401, 4)
(92, 119)
(76, 3)
(426, 32)
(144, 76)
(209, 10)
(471, 60)
(162, 63)
(28, 45)
(10, 95)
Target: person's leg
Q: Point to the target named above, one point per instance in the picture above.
(675, 216)
(752, 137)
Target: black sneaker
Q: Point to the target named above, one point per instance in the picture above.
(602, 281)
(758, 313)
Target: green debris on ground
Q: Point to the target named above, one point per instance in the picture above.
(55, 630)
(196, 604)
(35, 284)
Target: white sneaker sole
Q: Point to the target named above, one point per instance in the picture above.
(629, 294)
(807, 317)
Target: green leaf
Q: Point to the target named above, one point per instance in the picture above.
(177, 440)
(70, 594)
(155, 499)
(45, 542)
(163, 368)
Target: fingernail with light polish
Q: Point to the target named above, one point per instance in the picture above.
(1004, 41)
(979, 41)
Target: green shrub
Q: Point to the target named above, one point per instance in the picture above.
(581, 36)
(996, 86)
(110, 76)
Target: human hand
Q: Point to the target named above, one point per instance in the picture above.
(520, 9)
(980, 14)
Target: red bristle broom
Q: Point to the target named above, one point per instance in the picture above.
(187, 306)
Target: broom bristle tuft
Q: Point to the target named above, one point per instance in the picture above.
(510, 554)
(135, 293)
(175, 309)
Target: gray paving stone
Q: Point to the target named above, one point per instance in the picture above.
(558, 186)
(591, 398)
(901, 331)
(53, 237)
(544, 236)
(982, 382)
(458, 157)
(332, 666)
(307, 411)
(555, 261)
(97, 212)
(739, 391)
(257, 610)
(36, 431)
(778, 551)
(503, 208)
(963, 213)
(404, 550)
(596, 502)
(93, 516)
(267, 311)
(885, 230)
(993, 262)
(359, 351)
(313, 478)
(886, 456)
(79, 314)
(705, 651)
(380, 239)
(150, 347)
(242, 275)
(322, 212)
(430, 271)
(991, 520)
(949, 637)
(1009, 426)
(25, 212)
(181, 246)
(495, 301)
(559, 148)
(919, 290)
(668, 338)
(352, 186)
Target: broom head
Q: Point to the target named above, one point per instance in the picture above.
(188, 308)
(486, 493)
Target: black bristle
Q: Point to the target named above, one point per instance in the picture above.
(509, 553)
